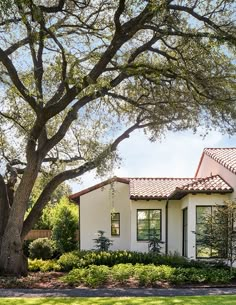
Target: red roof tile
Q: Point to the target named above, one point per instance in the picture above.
(175, 188)
(224, 156)
(155, 188)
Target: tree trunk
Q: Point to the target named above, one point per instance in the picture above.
(12, 259)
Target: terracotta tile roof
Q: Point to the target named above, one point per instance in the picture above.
(175, 188)
(155, 188)
(163, 188)
(213, 184)
(224, 156)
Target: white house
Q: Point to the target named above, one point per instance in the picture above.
(129, 209)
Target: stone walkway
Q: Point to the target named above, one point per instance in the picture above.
(130, 292)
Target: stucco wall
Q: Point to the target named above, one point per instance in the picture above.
(95, 211)
(142, 246)
(175, 224)
(210, 167)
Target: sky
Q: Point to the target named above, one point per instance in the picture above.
(176, 155)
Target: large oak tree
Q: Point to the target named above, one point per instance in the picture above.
(78, 76)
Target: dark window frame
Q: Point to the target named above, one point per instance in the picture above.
(116, 221)
(202, 223)
(137, 229)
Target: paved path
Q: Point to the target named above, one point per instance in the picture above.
(130, 292)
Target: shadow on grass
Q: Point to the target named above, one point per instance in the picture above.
(206, 300)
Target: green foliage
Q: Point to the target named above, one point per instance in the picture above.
(111, 258)
(146, 275)
(26, 245)
(219, 232)
(69, 261)
(93, 276)
(102, 243)
(122, 272)
(65, 225)
(43, 266)
(41, 248)
(154, 243)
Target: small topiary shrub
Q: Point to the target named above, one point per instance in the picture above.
(102, 243)
(41, 248)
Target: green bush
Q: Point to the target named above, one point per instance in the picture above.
(111, 258)
(26, 244)
(122, 272)
(96, 276)
(64, 228)
(146, 275)
(41, 248)
(68, 261)
(44, 266)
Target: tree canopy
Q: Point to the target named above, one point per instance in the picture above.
(77, 77)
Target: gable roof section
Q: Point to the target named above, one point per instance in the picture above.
(213, 184)
(224, 156)
(175, 188)
(76, 196)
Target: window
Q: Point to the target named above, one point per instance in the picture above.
(148, 224)
(202, 214)
(115, 224)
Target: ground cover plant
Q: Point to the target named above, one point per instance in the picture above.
(203, 300)
(144, 275)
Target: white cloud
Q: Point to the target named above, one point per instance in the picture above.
(177, 155)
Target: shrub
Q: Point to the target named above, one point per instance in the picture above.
(95, 276)
(44, 266)
(102, 243)
(74, 277)
(26, 244)
(68, 261)
(64, 228)
(41, 248)
(146, 275)
(122, 272)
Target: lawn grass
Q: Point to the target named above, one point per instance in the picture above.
(196, 300)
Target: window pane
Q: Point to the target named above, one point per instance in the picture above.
(155, 214)
(202, 213)
(148, 224)
(115, 224)
(203, 251)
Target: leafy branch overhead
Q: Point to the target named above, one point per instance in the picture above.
(78, 77)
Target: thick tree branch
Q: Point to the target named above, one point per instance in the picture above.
(17, 82)
(70, 174)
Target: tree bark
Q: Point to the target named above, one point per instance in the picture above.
(12, 259)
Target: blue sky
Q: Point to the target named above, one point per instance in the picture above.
(176, 155)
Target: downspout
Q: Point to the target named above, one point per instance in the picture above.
(166, 243)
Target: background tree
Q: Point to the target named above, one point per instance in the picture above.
(219, 232)
(65, 224)
(77, 77)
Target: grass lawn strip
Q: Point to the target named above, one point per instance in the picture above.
(203, 300)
